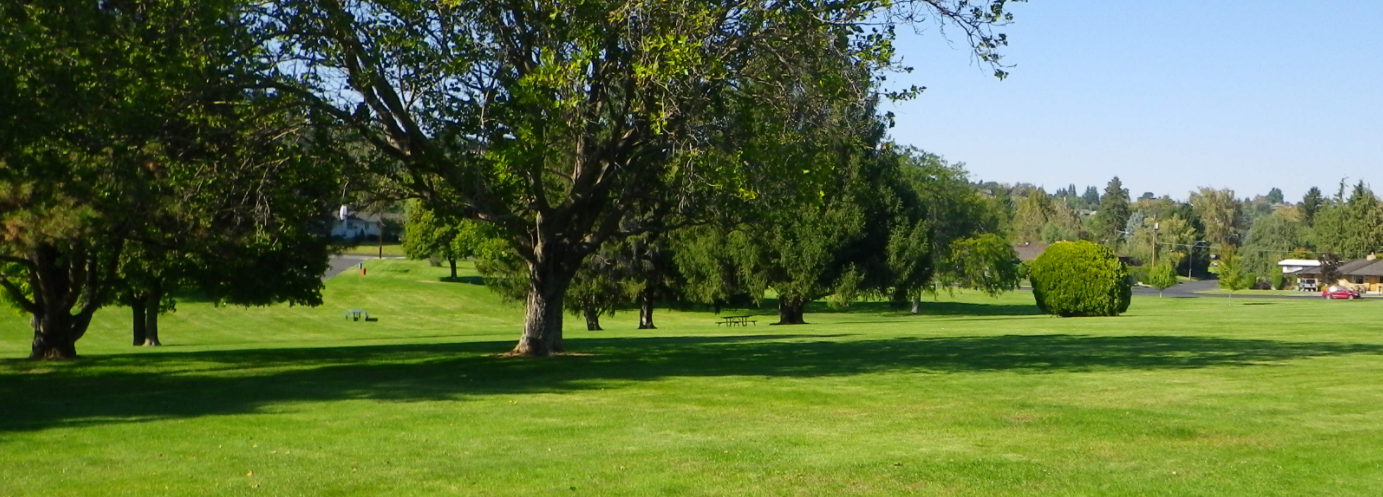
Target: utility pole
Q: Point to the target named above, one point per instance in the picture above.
(1154, 247)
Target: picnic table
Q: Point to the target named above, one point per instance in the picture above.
(737, 321)
(355, 314)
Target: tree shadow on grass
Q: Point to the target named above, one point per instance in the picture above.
(928, 308)
(191, 384)
(470, 280)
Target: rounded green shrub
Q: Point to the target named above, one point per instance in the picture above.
(1080, 279)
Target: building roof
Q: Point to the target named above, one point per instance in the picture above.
(1365, 268)
(372, 217)
(1356, 267)
(1299, 262)
(1029, 251)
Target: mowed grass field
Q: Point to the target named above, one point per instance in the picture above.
(979, 397)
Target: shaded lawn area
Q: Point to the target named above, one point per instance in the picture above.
(976, 397)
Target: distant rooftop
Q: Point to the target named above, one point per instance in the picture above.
(1299, 262)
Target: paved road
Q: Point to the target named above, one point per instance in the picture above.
(1188, 291)
(1182, 290)
(343, 263)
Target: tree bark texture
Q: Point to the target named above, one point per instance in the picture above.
(646, 311)
(59, 282)
(592, 319)
(151, 329)
(151, 320)
(790, 310)
(139, 320)
(54, 337)
(542, 323)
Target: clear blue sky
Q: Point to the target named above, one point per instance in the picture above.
(1168, 95)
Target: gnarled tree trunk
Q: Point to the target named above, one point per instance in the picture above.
(54, 336)
(790, 310)
(542, 322)
(59, 282)
(592, 318)
(646, 311)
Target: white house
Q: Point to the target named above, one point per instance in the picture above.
(1293, 266)
(352, 226)
(355, 227)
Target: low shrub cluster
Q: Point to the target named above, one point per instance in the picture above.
(1080, 279)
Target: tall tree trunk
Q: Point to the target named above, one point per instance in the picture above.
(151, 319)
(542, 322)
(452, 260)
(646, 311)
(916, 305)
(592, 318)
(790, 310)
(53, 337)
(139, 309)
(152, 329)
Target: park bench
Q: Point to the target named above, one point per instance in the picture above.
(737, 321)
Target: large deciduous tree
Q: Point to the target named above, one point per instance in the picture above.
(429, 234)
(966, 244)
(1218, 212)
(1270, 239)
(560, 122)
(1031, 215)
(140, 147)
(1171, 236)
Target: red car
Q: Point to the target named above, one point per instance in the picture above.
(1336, 292)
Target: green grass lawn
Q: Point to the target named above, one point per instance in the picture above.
(979, 397)
(367, 248)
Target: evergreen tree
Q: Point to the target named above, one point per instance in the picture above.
(1114, 212)
(1330, 269)
(1091, 197)
(1274, 196)
(1330, 229)
(1363, 224)
(1310, 205)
